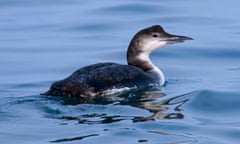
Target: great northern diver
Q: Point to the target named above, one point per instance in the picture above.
(101, 78)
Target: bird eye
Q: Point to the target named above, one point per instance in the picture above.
(155, 35)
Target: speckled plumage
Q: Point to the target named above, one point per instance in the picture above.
(97, 78)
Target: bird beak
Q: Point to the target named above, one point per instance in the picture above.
(176, 38)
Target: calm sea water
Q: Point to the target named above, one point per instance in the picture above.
(44, 41)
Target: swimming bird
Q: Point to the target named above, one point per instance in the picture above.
(106, 78)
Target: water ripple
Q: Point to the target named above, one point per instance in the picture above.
(74, 138)
(131, 8)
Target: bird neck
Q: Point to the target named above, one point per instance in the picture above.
(140, 59)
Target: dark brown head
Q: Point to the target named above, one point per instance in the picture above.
(154, 37)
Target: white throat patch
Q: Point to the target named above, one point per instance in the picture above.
(145, 57)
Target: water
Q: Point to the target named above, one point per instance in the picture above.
(44, 41)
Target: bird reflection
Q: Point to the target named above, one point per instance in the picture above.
(160, 108)
(156, 102)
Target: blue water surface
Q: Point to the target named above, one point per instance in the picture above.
(44, 41)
